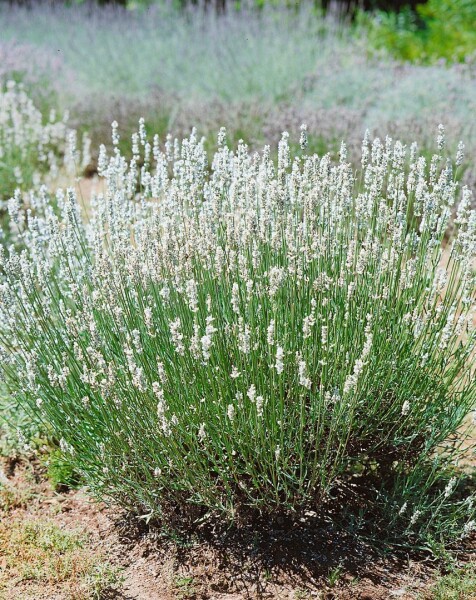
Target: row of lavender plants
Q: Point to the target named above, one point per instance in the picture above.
(259, 72)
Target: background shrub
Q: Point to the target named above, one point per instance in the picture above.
(34, 150)
(438, 29)
(30, 147)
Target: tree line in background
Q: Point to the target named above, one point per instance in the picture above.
(348, 5)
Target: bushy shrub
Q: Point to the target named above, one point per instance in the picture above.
(41, 72)
(191, 54)
(31, 147)
(251, 337)
(33, 152)
(438, 29)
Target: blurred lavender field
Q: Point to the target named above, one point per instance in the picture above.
(257, 74)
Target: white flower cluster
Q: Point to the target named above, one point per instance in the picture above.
(32, 150)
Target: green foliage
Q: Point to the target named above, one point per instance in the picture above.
(60, 469)
(439, 29)
(185, 588)
(458, 584)
(21, 433)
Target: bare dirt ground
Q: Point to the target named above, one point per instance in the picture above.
(291, 565)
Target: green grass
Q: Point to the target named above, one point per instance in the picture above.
(458, 584)
(37, 552)
(185, 587)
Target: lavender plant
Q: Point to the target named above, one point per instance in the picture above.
(254, 337)
(32, 149)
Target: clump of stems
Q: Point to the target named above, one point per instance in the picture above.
(254, 336)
